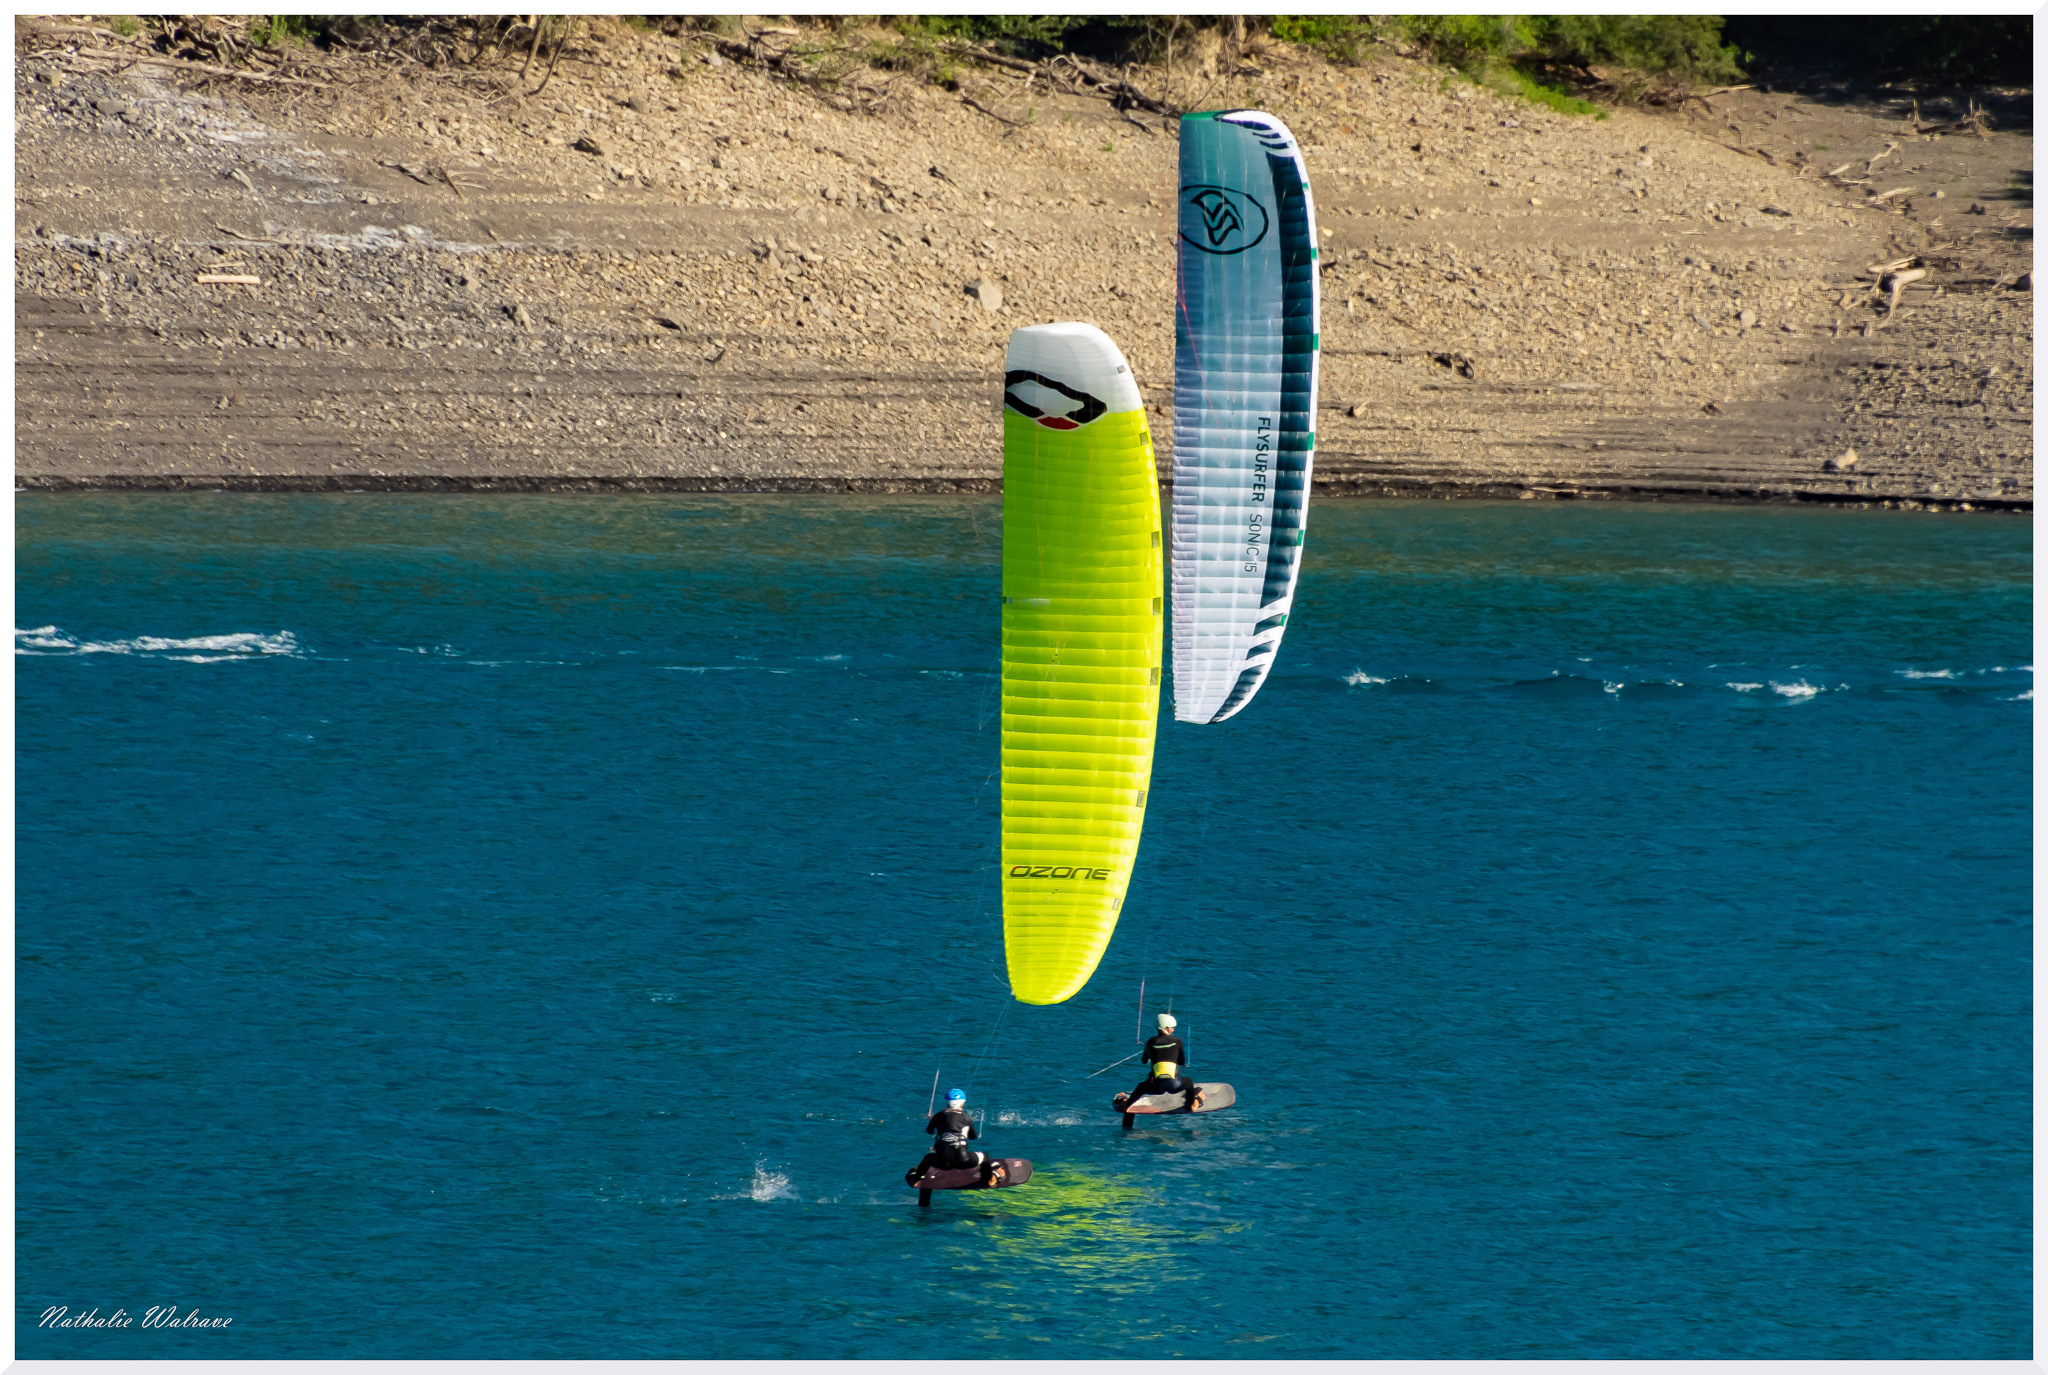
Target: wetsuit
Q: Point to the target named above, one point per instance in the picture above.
(953, 1129)
(1166, 1049)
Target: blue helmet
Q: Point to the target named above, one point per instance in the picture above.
(955, 1096)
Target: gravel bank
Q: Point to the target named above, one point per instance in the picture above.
(670, 270)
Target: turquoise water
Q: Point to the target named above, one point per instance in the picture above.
(480, 927)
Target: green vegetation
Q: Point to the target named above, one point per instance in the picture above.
(1019, 35)
(1536, 93)
(1538, 57)
(1344, 38)
(1680, 47)
(1542, 58)
(127, 25)
(266, 29)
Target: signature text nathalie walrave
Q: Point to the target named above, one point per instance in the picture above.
(120, 1317)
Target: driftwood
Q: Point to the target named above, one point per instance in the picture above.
(1893, 283)
(971, 103)
(423, 178)
(1976, 121)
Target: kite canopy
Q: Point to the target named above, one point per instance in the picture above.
(1246, 352)
(1082, 649)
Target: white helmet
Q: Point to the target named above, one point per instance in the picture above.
(1166, 1022)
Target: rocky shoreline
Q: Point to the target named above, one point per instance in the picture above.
(673, 271)
(984, 486)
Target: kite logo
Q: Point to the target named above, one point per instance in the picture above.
(1057, 871)
(1054, 405)
(1219, 220)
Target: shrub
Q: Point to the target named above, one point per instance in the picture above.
(1339, 37)
(266, 29)
(1686, 47)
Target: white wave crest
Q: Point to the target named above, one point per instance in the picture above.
(1931, 673)
(1008, 1118)
(2026, 696)
(1798, 692)
(211, 649)
(1745, 687)
(1360, 678)
(768, 1185)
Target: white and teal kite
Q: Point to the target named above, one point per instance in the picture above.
(1246, 351)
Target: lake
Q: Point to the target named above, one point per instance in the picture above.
(534, 926)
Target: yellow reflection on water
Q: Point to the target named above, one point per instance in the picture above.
(1076, 1255)
(1110, 1232)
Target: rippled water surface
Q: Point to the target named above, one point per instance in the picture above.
(480, 927)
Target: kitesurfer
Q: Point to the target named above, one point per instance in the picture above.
(951, 1130)
(1167, 1054)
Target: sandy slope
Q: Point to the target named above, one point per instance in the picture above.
(734, 284)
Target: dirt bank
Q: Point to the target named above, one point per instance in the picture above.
(671, 269)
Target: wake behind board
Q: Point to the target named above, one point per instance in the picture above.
(1214, 1098)
(1016, 1172)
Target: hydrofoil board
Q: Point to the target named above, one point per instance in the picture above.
(1214, 1097)
(1015, 1172)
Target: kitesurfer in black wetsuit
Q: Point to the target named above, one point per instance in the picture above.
(951, 1130)
(1168, 1057)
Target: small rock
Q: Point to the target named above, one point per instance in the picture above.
(989, 293)
(589, 145)
(521, 318)
(1777, 210)
(1939, 196)
(1353, 411)
(1842, 464)
(1788, 328)
(713, 61)
(1535, 200)
(2025, 283)
(637, 105)
(1746, 318)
